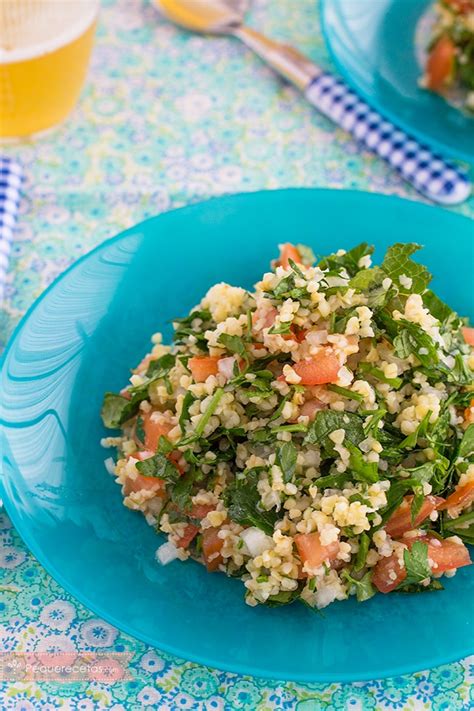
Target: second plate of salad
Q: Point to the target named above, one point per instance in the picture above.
(413, 61)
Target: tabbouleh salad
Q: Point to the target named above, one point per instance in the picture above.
(314, 437)
(450, 62)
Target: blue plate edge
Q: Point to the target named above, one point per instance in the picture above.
(96, 609)
(446, 152)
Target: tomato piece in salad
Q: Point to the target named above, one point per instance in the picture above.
(321, 369)
(211, 548)
(202, 367)
(288, 251)
(401, 521)
(468, 335)
(440, 64)
(154, 430)
(461, 498)
(190, 533)
(312, 551)
(443, 554)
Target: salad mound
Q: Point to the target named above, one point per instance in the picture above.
(313, 437)
(450, 62)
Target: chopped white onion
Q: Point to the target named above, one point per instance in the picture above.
(166, 553)
(225, 367)
(256, 541)
(110, 465)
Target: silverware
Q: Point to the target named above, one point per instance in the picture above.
(435, 178)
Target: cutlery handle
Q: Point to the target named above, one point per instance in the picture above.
(429, 173)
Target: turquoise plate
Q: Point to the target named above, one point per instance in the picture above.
(81, 338)
(373, 45)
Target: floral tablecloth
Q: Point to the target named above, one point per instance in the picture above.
(168, 119)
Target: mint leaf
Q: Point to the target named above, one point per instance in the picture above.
(466, 448)
(364, 587)
(244, 505)
(184, 416)
(360, 468)
(368, 279)
(160, 367)
(285, 458)
(349, 261)
(117, 409)
(412, 339)
(160, 467)
(416, 564)
(327, 421)
(233, 344)
(139, 430)
(361, 557)
(398, 262)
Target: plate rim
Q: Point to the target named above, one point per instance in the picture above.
(83, 599)
(446, 151)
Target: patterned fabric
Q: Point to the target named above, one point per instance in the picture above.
(431, 175)
(168, 119)
(10, 182)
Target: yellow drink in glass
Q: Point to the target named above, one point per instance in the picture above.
(45, 47)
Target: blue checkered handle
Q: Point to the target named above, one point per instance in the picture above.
(430, 174)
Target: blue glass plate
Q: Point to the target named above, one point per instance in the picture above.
(373, 45)
(81, 338)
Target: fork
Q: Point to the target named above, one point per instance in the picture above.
(430, 174)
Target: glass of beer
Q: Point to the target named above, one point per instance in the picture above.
(45, 47)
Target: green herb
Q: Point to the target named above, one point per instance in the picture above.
(411, 440)
(233, 344)
(139, 430)
(280, 407)
(413, 340)
(436, 307)
(466, 448)
(206, 416)
(361, 557)
(181, 492)
(416, 564)
(184, 328)
(364, 587)
(284, 597)
(378, 374)
(184, 416)
(367, 279)
(285, 457)
(327, 421)
(160, 467)
(414, 588)
(244, 505)
(160, 367)
(360, 467)
(462, 526)
(117, 409)
(283, 328)
(398, 262)
(349, 260)
(345, 392)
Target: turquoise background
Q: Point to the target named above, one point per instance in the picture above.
(168, 119)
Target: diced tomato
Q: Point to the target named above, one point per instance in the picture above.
(125, 393)
(311, 407)
(212, 545)
(288, 251)
(444, 553)
(143, 483)
(201, 510)
(298, 334)
(202, 367)
(400, 521)
(318, 370)
(311, 550)
(461, 6)
(460, 499)
(190, 532)
(154, 430)
(469, 413)
(468, 335)
(447, 554)
(388, 574)
(440, 65)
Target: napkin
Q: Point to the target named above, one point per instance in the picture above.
(11, 178)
